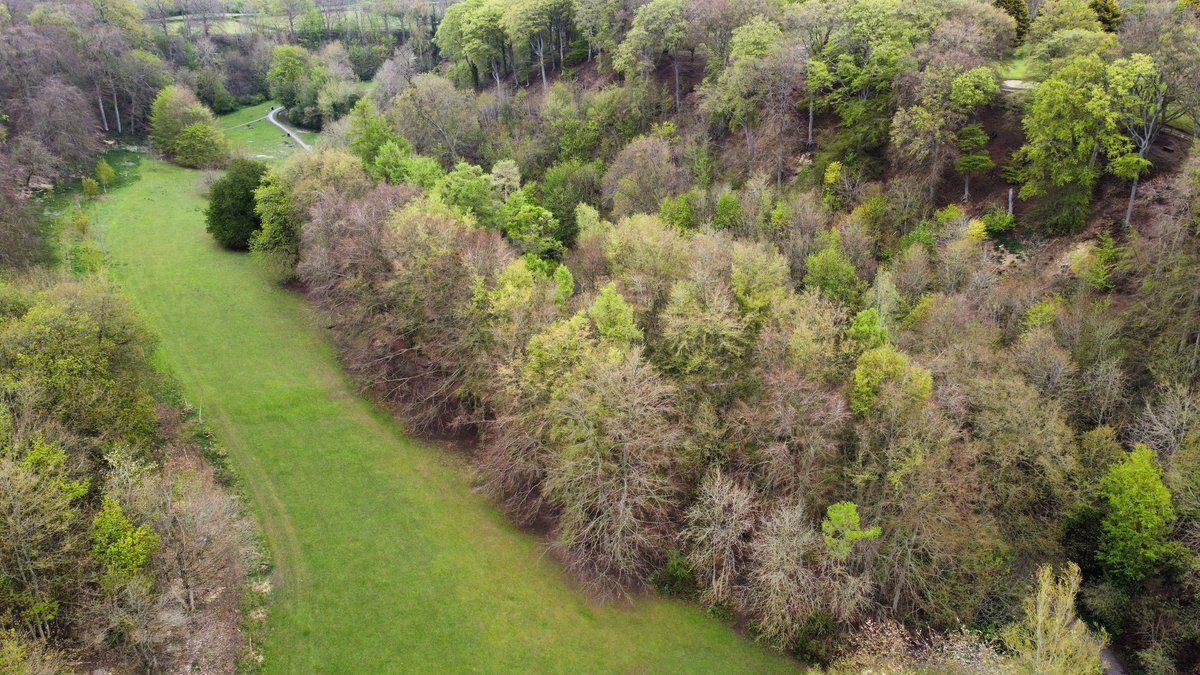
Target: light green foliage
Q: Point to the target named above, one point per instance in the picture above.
(288, 66)
(20, 655)
(474, 32)
(830, 182)
(840, 529)
(886, 366)
(1068, 128)
(597, 21)
(759, 278)
(369, 131)
(973, 158)
(1138, 517)
(506, 178)
(395, 164)
(553, 354)
(1063, 15)
(659, 26)
(728, 213)
(532, 23)
(1042, 313)
(105, 175)
(183, 128)
(91, 188)
(38, 516)
(201, 145)
(997, 221)
(1051, 639)
(703, 333)
(80, 355)
(587, 219)
(392, 161)
(1129, 166)
(736, 96)
(311, 27)
(678, 211)
(830, 271)
(614, 317)
(647, 257)
(867, 330)
(469, 189)
(946, 100)
(531, 228)
(1096, 267)
(122, 549)
(564, 287)
(520, 290)
(279, 233)
(973, 90)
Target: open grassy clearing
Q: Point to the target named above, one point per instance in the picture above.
(251, 134)
(387, 562)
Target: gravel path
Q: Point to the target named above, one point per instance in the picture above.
(289, 132)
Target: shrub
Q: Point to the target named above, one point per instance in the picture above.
(91, 188)
(200, 145)
(831, 272)
(614, 317)
(884, 365)
(565, 186)
(174, 109)
(1138, 517)
(105, 175)
(867, 329)
(998, 221)
(675, 578)
(231, 217)
(728, 212)
(679, 211)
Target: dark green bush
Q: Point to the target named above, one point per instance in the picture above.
(231, 218)
(674, 579)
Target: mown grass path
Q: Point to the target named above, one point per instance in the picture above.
(387, 562)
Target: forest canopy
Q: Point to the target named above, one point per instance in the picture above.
(870, 325)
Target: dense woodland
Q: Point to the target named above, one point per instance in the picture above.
(792, 309)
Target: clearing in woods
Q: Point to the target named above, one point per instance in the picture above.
(386, 561)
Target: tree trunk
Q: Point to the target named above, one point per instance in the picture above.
(100, 104)
(1132, 196)
(675, 66)
(116, 108)
(1133, 188)
(811, 114)
(966, 187)
(749, 148)
(541, 52)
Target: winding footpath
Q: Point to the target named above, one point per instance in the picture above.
(289, 132)
(385, 560)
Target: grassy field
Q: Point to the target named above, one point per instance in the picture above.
(251, 134)
(385, 559)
